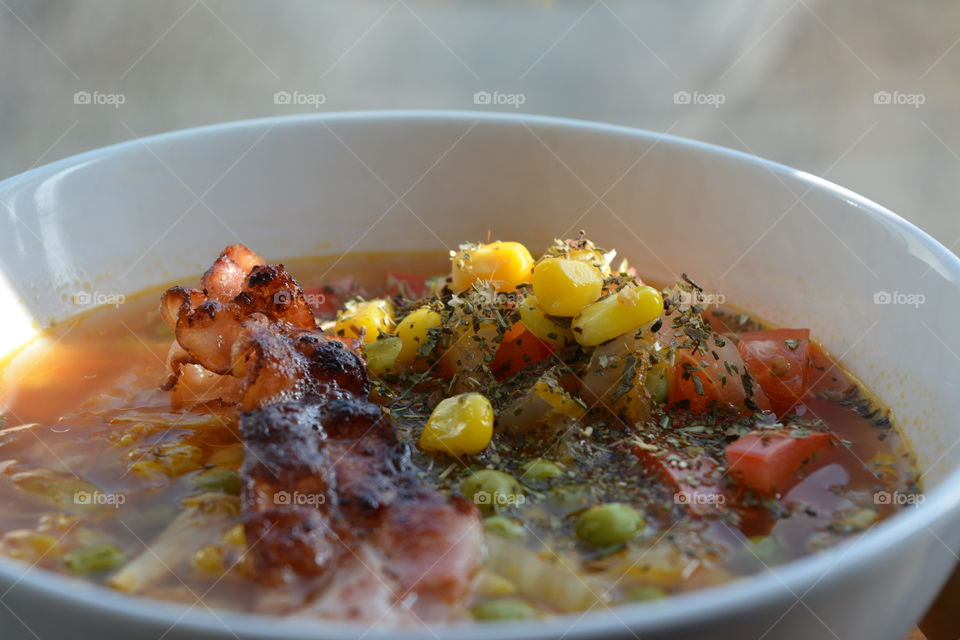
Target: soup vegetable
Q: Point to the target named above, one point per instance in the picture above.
(400, 442)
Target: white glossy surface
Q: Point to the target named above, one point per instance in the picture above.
(117, 220)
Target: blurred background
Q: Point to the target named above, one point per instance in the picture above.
(863, 93)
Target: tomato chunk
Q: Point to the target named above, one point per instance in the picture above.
(410, 286)
(519, 349)
(695, 479)
(778, 361)
(715, 379)
(824, 374)
(770, 462)
(322, 300)
(326, 299)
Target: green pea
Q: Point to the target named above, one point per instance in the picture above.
(503, 609)
(504, 527)
(492, 490)
(541, 469)
(609, 524)
(382, 354)
(217, 479)
(95, 559)
(644, 593)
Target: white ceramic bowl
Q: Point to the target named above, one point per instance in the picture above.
(784, 244)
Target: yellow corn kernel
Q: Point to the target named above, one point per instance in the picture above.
(230, 455)
(459, 425)
(209, 560)
(147, 470)
(554, 395)
(25, 544)
(541, 325)
(491, 585)
(235, 536)
(564, 287)
(382, 354)
(592, 256)
(370, 318)
(413, 331)
(505, 264)
(615, 315)
(170, 458)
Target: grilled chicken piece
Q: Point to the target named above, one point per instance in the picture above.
(225, 278)
(206, 326)
(337, 520)
(251, 322)
(327, 484)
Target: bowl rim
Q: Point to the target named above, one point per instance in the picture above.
(742, 594)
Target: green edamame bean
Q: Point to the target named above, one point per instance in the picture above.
(382, 354)
(541, 469)
(504, 527)
(609, 524)
(102, 557)
(492, 490)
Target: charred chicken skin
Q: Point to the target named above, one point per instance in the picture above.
(337, 521)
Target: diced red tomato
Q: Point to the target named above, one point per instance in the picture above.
(519, 349)
(701, 392)
(695, 480)
(770, 462)
(823, 373)
(326, 299)
(322, 300)
(409, 285)
(706, 381)
(777, 359)
(753, 520)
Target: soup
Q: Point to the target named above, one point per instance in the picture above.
(413, 438)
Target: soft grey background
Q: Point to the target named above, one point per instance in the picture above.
(797, 78)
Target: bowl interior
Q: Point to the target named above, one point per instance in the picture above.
(774, 241)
